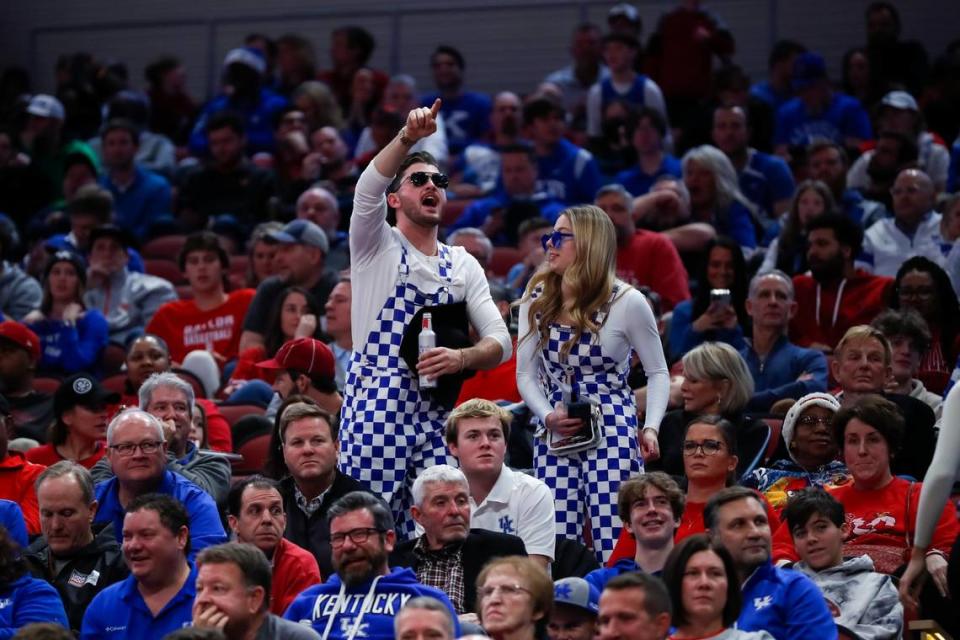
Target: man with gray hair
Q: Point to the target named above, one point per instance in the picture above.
(644, 258)
(69, 555)
(320, 207)
(170, 399)
(365, 595)
(424, 617)
(780, 369)
(476, 244)
(449, 555)
(137, 452)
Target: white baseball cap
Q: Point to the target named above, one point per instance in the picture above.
(45, 106)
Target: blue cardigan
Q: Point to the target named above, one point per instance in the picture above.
(776, 377)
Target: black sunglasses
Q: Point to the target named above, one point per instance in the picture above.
(419, 178)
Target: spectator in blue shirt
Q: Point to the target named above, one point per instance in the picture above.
(23, 598)
(649, 132)
(777, 88)
(466, 114)
(780, 369)
(818, 111)
(567, 172)
(715, 195)
(764, 179)
(156, 543)
(785, 603)
(141, 198)
(828, 162)
(136, 449)
(500, 214)
(244, 94)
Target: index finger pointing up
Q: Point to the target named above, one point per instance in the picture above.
(435, 109)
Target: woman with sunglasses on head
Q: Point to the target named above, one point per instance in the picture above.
(807, 436)
(704, 590)
(579, 326)
(714, 317)
(514, 598)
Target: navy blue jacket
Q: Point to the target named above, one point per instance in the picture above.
(776, 377)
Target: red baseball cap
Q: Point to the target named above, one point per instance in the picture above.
(307, 355)
(22, 337)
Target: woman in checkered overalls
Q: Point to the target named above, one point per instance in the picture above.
(579, 326)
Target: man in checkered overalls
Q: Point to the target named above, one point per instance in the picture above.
(389, 431)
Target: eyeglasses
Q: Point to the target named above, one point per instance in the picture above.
(357, 536)
(555, 239)
(126, 449)
(508, 590)
(707, 447)
(419, 178)
(919, 292)
(809, 421)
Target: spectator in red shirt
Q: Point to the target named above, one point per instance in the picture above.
(834, 296)
(80, 406)
(17, 476)
(256, 516)
(212, 320)
(644, 258)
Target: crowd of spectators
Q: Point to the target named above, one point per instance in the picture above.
(165, 259)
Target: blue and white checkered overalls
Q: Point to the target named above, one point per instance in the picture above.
(589, 480)
(388, 431)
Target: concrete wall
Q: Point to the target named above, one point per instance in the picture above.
(508, 45)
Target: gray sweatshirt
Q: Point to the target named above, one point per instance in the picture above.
(862, 601)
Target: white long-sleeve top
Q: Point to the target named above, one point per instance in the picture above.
(629, 326)
(375, 251)
(942, 472)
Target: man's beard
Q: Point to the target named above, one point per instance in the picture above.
(827, 270)
(357, 575)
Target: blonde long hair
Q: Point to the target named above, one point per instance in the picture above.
(590, 278)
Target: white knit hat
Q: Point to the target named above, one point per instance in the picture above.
(816, 399)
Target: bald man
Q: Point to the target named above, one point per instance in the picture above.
(914, 229)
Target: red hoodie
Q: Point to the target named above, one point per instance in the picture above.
(863, 297)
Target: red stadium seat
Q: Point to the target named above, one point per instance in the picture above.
(166, 269)
(254, 452)
(452, 211)
(503, 258)
(116, 383)
(776, 426)
(45, 385)
(164, 247)
(112, 359)
(233, 412)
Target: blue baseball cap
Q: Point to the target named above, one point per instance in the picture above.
(577, 592)
(808, 68)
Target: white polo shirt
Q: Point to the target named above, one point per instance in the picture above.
(522, 506)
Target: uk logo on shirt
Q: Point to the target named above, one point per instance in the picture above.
(506, 525)
(762, 603)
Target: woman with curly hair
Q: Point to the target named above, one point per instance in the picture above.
(578, 328)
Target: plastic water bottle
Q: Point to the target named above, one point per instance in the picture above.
(427, 341)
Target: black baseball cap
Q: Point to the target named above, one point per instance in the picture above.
(82, 389)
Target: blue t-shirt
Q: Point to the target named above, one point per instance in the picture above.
(763, 91)
(145, 201)
(569, 174)
(638, 183)
(205, 527)
(27, 600)
(843, 117)
(766, 180)
(11, 517)
(633, 96)
(466, 118)
(119, 611)
(257, 121)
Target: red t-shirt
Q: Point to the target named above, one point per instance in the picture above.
(864, 297)
(294, 569)
(879, 517)
(652, 260)
(499, 383)
(47, 455)
(186, 328)
(17, 477)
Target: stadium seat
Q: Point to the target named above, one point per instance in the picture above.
(776, 426)
(503, 258)
(164, 247)
(115, 383)
(251, 438)
(234, 412)
(112, 359)
(194, 381)
(46, 385)
(163, 268)
(452, 211)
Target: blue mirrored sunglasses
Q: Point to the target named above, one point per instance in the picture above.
(555, 239)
